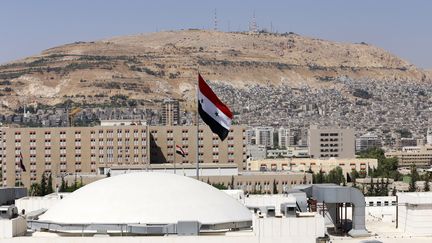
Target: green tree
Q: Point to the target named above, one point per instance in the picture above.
(394, 191)
(386, 188)
(381, 189)
(375, 153)
(75, 183)
(313, 175)
(63, 186)
(387, 167)
(355, 174)
(275, 191)
(320, 177)
(220, 186)
(336, 176)
(371, 190)
(49, 185)
(426, 183)
(35, 190)
(43, 185)
(414, 179)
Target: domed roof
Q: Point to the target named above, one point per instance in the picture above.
(147, 198)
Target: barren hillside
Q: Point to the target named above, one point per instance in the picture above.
(150, 67)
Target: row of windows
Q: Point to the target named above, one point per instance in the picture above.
(379, 203)
(329, 150)
(329, 145)
(329, 134)
(329, 155)
(329, 139)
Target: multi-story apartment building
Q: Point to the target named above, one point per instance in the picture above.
(367, 141)
(304, 164)
(331, 142)
(429, 136)
(285, 138)
(170, 112)
(421, 156)
(289, 152)
(264, 136)
(250, 137)
(90, 150)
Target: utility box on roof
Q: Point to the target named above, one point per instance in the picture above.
(188, 227)
(288, 209)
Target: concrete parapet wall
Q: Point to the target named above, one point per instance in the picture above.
(13, 227)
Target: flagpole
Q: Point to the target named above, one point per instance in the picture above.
(175, 154)
(148, 147)
(20, 174)
(197, 130)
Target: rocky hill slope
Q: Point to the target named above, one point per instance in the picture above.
(149, 67)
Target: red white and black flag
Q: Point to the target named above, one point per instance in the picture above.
(180, 151)
(213, 112)
(21, 164)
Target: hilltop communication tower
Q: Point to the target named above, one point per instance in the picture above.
(253, 25)
(215, 21)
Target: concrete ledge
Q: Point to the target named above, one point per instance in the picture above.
(358, 233)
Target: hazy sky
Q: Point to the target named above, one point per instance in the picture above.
(403, 27)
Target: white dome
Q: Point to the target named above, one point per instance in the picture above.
(147, 198)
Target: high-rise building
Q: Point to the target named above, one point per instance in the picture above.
(367, 141)
(285, 138)
(170, 112)
(429, 136)
(331, 142)
(90, 151)
(264, 136)
(250, 136)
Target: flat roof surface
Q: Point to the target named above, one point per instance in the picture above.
(384, 232)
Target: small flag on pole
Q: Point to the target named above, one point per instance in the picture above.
(180, 151)
(213, 112)
(23, 169)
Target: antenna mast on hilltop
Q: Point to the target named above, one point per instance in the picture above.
(253, 26)
(215, 21)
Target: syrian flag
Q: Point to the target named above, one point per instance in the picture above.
(180, 151)
(213, 112)
(23, 169)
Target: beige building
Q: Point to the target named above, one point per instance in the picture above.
(421, 156)
(226, 174)
(170, 112)
(90, 150)
(262, 182)
(264, 136)
(331, 142)
(303, 164)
